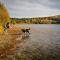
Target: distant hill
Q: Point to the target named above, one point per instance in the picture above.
(38, 20)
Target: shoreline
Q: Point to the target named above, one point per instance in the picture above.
(8, 42)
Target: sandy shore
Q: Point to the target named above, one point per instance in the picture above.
(8, 41)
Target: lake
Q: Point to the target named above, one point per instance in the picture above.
(42, 44)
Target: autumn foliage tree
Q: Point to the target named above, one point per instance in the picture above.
(4, 16)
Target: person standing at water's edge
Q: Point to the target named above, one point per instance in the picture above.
(6, 26)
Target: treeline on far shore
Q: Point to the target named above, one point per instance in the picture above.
(37, 20)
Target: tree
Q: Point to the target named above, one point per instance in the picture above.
(4, 16)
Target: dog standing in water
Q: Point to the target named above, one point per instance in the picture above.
(25, 31)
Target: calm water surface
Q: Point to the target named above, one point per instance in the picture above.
(42, 44)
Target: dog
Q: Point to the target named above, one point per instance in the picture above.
(25, 31)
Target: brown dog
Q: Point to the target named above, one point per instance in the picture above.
(25, 30)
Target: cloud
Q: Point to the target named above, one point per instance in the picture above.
(56, 3)
(48, 3)
(31, 8)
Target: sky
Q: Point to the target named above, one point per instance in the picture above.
(32, 8)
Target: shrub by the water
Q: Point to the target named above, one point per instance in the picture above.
(4, 16)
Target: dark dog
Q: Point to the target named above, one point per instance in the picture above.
(25, 30)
